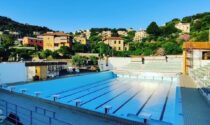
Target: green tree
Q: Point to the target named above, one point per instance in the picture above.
(129, 37)
(45, 53)
(77, 47)
(78, 60)
(94, 60)
(65, 51)
(153, 29)
(104, 49)
(114, 33)
(172, 48)
(169, 29)
(6, 41)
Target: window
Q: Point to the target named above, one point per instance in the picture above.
(119, 42)
(114, 42)
(56, 44)
(206, 55)
(119, 48)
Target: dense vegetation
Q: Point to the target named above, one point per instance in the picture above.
(7, 24)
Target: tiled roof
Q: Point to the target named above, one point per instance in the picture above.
(114, 38)
(55, 34)
(196, 45)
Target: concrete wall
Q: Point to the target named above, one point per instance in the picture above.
(12, 72)
(117, 62)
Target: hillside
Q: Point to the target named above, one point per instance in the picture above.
(24, 29)
(200, 24)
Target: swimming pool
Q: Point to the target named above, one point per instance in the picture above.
(123, 96)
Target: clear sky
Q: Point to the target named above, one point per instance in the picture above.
(71, 15)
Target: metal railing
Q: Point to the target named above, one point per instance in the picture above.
(19, 115)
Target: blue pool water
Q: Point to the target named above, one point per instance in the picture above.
(126, 95)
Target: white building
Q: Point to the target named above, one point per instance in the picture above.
(25, 71)
(122, 33)
(139, 35)
(184, 27)
(106, 34)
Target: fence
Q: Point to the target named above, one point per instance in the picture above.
(20, 115)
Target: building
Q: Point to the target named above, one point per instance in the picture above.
(139, 35)
(106, 34)
(116, 43)
(81, 39)
(122, 33)
(32, 41)
(25, 71)
(184, 27)
(195, 55)
(43, 70)
(54, 40)
(14, 33)
(130, 29)
(87, 33)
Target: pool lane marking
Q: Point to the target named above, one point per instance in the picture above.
(110, 100)
(127, 101)
(104, 94)
(166, 100)
(147, 100)
(93, 91)
(98, 85)
(79, 87)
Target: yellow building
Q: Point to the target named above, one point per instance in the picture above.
(54, 40)
(117, 43)
(41, 72)
(81, 40)
(195, 55)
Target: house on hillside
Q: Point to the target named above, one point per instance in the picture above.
(117, 43)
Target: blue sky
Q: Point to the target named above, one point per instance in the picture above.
(71, 15)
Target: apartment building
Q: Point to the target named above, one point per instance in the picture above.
(87, 33)
(139, 35)
(106, 34)
(184, 27)
(116, 43)
(54, 40)
(81, 39)
(32, 41)
(122, 33)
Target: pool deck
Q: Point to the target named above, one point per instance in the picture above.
(196, 110)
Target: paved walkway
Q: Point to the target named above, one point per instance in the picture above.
(195, 109)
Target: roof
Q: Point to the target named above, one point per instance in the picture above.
(196, 45)
(55, 34)
(44, 63)
(114, 38)
(33, 38)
